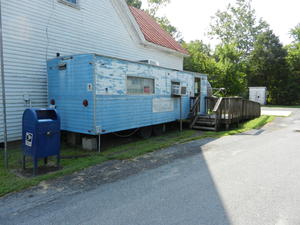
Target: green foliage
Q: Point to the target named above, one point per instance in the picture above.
(200, 59)
(252, 124)
(167, 26)
(231, 70)
(293, 60)
(154, 5)
(238, 24)
(249, 55)
(268, 67)
(295, 33)
(223, 67)
(237, 28)
(135, 3)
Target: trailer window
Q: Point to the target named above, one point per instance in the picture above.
(138, 85)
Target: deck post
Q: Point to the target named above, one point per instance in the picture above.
(227, 126)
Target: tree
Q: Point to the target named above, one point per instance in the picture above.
(164, 22)
(135, 3)
(293, 60)
(167, 26)
(200, 59)
(223, 67)
(295, 33)
(152, 8)
(231, 73)
(155, 5)
(238, 24)
(269, 67)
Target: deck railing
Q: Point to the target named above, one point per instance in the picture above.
(232, 110)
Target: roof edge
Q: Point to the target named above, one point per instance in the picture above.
(132, 25)
(169, 50)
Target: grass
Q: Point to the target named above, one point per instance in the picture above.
(252, 124)
(9, 182)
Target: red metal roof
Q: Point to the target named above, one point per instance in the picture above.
(153, 32)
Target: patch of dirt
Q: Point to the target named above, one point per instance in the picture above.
(42, 170)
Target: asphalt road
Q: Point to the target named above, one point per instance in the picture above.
(252, 178)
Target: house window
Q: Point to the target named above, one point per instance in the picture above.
(74, 3)
(138, 85)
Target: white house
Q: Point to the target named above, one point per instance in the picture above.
(35, 30)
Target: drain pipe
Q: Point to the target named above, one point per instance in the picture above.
(3, 92)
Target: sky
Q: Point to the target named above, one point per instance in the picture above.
(192, 17)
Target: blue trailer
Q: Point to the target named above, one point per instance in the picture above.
(97, 94)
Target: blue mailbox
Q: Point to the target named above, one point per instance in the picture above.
(41, 135)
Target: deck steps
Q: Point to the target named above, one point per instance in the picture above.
(223, 112)
(204, 128)
(205, 122)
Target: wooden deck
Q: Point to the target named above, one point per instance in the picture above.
(223, 112)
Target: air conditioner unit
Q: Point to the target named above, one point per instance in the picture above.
(176, 90)
(150, 61)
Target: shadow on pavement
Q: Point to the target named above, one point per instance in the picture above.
(171, 186)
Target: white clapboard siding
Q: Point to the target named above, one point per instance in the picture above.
(1, 112)
(35, 30)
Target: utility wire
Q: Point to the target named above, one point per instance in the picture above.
(128, 135)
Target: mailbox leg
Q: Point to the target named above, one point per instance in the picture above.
(35, 166)
(58, 161)
(24, 162)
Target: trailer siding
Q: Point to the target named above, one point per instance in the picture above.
(115, 110)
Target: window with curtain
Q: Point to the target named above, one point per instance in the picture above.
(138, 85)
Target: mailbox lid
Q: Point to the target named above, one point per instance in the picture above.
(47, 115)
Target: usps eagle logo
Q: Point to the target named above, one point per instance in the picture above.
(28, 139)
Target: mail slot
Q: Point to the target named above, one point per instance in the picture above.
(41, 135)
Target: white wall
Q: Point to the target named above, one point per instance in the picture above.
(258, 94)
(34, 30)
(1, 112)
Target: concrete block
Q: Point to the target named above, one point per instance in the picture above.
(89, 143)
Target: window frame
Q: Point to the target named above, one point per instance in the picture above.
(144, 94)
(71, 4)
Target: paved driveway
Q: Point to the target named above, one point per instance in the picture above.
(252, 178)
